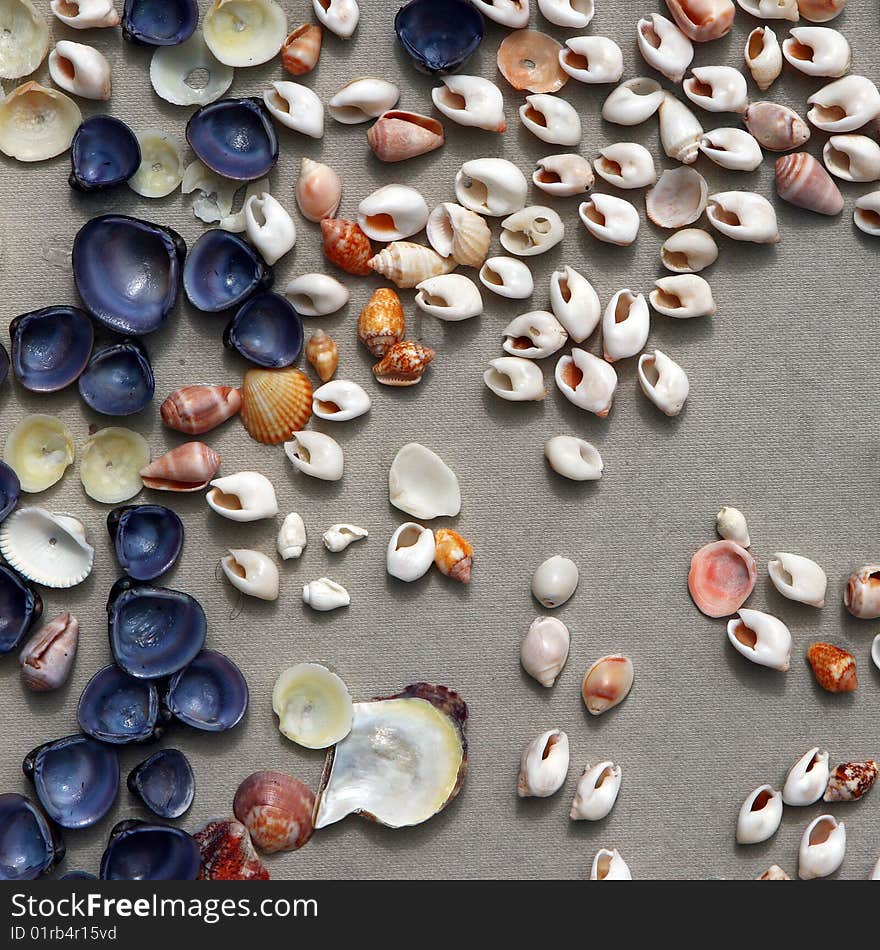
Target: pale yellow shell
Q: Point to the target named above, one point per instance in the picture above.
(39, 450)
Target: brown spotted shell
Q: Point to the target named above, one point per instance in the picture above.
(850, 780)
(276, 809)
(346, 246)
(382, 322)
(833, 667)
(323, 353)
(454, 555)
(228, 854)
(275, 403)
(403, 364)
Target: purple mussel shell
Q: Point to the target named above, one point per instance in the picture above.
(211, 693)
(159, 22)
(29, 845)
(141, 851)
(222, 271)
(266, 331)
(117, 708)
(104, 153)
(147, 539)
(164, 782)
(4, 364)
(20, 606)
(51, 347)
(439, 35)
(235, 138)
(10, 490)
(118, 380)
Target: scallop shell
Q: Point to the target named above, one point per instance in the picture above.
(318, 190)
(363, 99)
(382, 322)
(275, 403)
(161, 169)
(39, 450)
(422, 484)
(46, 548)
(80, 70)
(37, 123)
(678, 198)
(459, 233)
(111, 463)
(244, 32)
(302, 49)
(407, 264)
(24, 39)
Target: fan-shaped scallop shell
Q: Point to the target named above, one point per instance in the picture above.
(47, 548)
(275, 403)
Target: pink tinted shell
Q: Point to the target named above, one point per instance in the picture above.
(721, 578)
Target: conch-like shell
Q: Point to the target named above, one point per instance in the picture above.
(269, 227)
(689, 251)
(403, 364)
(823, 847)
(471, 101)
(346, 246)
(772, 9)
(339, 16)
(732, 148)
(515, 379)
(807, 778)
(678, 198)
(363, 99)
(451, 297)
(198, 409)
(574, 458)
(338, 537)
(663, 46)
(717, 89)
(664, 382)
(251, 572)
(861, 596)
(302, 49)
(597, 791)
(46, 548)
(323, 353)
(25, 40)
(316, 295)
(397, 136)
(393, 213)
(340, 400)
(760, 815)
(275, 403)
(743, 216)
(80, 70)
(633, 101)
(545, 649)
(459, 233)
(575, 303)
(776, 127)
(852, 157)
(244, 32)
(407, 264)
(564, 175)
(625, 326)
(382, 322)
(803, 182)
(86, 14)
(867, 214)
(291, 537)
(763, 57)
(544, 765)
(318, 190)
(535, 335)
(703, 20)
(610, 219)
(454, 555)
(410, 552)
(296, 107)
(607, 683)
(510, 13)
(798, 578)
(422, 484)
(608, 865)
(491, 186)
(761, 638)
(187, 468)
(47, 658)
(587, 381)
(574, 14)
(592, 59)
(626, 165)
(818, 51)
(316, 454)
(110, 462)
(245, 496)
(845, 104)
(551, 119)
(37, 123)
(531, 231)
(680, 130)
(325, 594)
(683, 296)
(39, 450)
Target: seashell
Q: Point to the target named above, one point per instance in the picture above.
(302, 49)
(46, 548)
(422, 484)
(763, 57)
(26, 39)
(564, 175)
(324, 594)
(534, 335)
(316, 454)
(411, 552)
(266, 330)
(80, 70)
(861, 596)
(545, 649)
(340, 400)
(607, 683)
(269, 227)
(407, 265)
(807, 778)
(454, 555)
(515, 379)
(340, 536)
(491, 186)
(316, 295)
(663, 46)
(198, 409)
(689, 251)
(471, 101)
(318, 190)
(683, 296)
(531, 231)
(722, 578)
(313, 706)
(186, 468)
(147, 539)
(104, 152)
(450, 297)
(382, 322)
(234, 137)
(587, 381)
(37, 123)
(574, 458)
(346, 246)
(730, 523)
(772, 9)
(610, 219)
(363, 99)
(86, 14)
(820, 11)
(215, 195)
(575, 303)
(161, 170)
(761, 638)
(592, 59)
(38, 449)
(10, 490)
(803, 182)
(732, 148)
(833, 667)
(291, 537)
(244, 32)
(626, 165)
(164, 782)
(743, 216)
(544, 765)
(392, 213)
(323, 353)
(510, 13)
(251, 572)
(245, 496)
(530, 60)
(117, 708)
(773, 873)
(510, 278)
(818, 51)
(575, 14)
(459, 233)
(596, 792)
(850, 781)
(609, 866)
(852, 157)
(22, 606)
(554, 581)
(47, 658)
(144, 25)
(625, 326)
(703, 20)
(397, 136)
(50, 347)
(664, 382)
(296, 107)
(776, 127)
(138, 849)
(403, 364)
(822, 848)
(276, 809)
(551, 119)
(760, 816)
(717, 89)
(680, 130)
(798, 578)
(111, 461)
(633, 101)
(275, 403)
(339, 16)
(172, 66)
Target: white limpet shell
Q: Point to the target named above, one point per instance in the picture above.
(339, 16)
(771, 9)
(251, 572)
(551, 119)
(545, 649)
(47, 548)
(510, 278)
(410, 552)
(818, 51)
(269, 227)
(316, 454)
(680, 130)
(471, 101)
(683, 297)
(807, 778)
(110, 465)
(845, 104)
(587, 381)
(86, 14)
(626, 165)
(340, 536)
(24, 39)
(80, 70)
(292, 537)
(822, 849)
(459, 233)
(244, 32)
(633, 101)
(717, 89)
(510, 13)
(730, 523)
(608, 865)
(610, 219)
(161, 169)
(689, 251)
(340, 400)
(763, 57)
(852, 157)
(575, 303)
(313, 706)
(663, 46)
(362, 100)
(563, 175)
(574, 14)
(798, 578)
(515, 379)
(626, 324)
(325, 594)
(867, 214)
(173, 67)
(531, 231)
(574, 458)
(678, 198)
(544, 765)
(592, 59)
(735, 149)
(316, 295)
(491, 186)
(39, 449)
(535, 335)
(761, 638)
(37, 123)
(597, 791)
(422, 484)
(743, 216)
(392, 213)
(664, 382)
(245, 496)
(555, 581)
(450, 297)
(760, 816)
(296, 107)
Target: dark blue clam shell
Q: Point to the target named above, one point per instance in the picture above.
(154, 631)
(267, 331)
(117, 708)
(20, 606)
(51, 347)
(29, 845)
(118, 380)
(4, 364)
(76, 779)
(104, 153)
(164, 782)
(222, 271)
(210, 694)
(159, 22)
(127, 272)
(147, 539)
(140, 851)
(235, 138)
(10, 492)
(439, 35)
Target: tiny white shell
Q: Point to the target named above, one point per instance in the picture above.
(450, 297)
(339, 536)
(86, 14)
(689, 251)
(852, 157)
(245, 496)
(296, 107)
(563, 175)
(535, 335)
(610, 219)
(633, 101)
(471, 101)
(626, 324)
(291, 537)
(798, 578)
(587, 381)
(664, 382)
(410, 552)
(551, 119)
(491, 186)
(161, 169)
(763, 57)
(597, 791)
(626, 165)
(867, 214)
(554, 581)
(80, 70)
(316, 454)
(544, 765)
(251, 572)
(510, 13)
(422, 484)
(363, 99)
(771, 9)
(730, 523)
(807, 778)
(339, 16)
(575, 303)
(269, 227)
(845, 104)
(531, 231)
(732, 148)
(316, 295)
(818, 51)
(574, 458)
(663, 46)
(717, 89)
(393, 213)
(683, 296)
(508, 277)
(609, 866)
(680, 130)
(324, 594)
(172, 66)
(592, 59)
(761, 638)
(760, 816)
(340, 400)
(515, 379)
(823, 848)
(544, 649)
(574, 14)
(743, 216)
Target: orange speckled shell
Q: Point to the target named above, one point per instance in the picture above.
(403, 364)
(834, 668)
(198, 409)
(454, 555)
(301, 49)
(346, 246)
(323, 353)
(228, 853)
(276, 809)
(850, 781)
(399, 135)
(275, 403)
(187, 468)
(382, 322)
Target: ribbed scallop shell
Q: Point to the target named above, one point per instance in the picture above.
(459, 233)
(382, 322)
(275, 403)
(47, 548)
(407, 265)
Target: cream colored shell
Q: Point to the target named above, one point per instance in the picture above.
(110, 465)
(313, 706)
(37, 123)
(161, 169)
(24, 38)
(39, 449)
(244, 32)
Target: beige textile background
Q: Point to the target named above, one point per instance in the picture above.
(781, 422)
